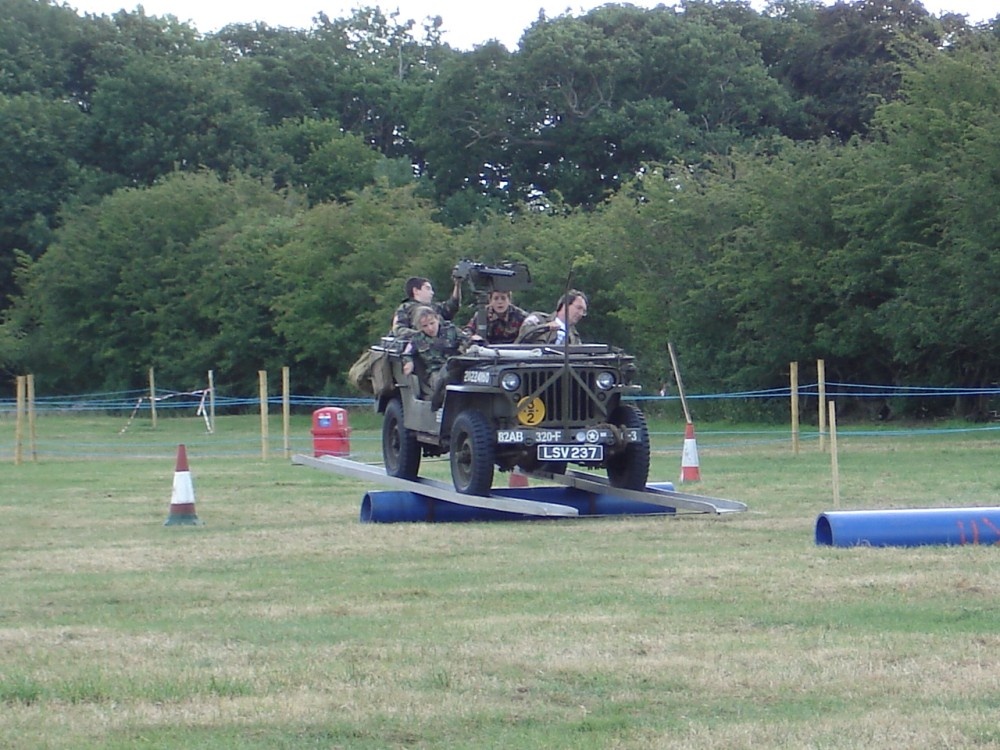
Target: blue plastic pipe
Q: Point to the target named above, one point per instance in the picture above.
(391, 506)
(908, 528)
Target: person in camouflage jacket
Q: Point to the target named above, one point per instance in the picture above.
(503, 319)
(420, 292)
(433, 343)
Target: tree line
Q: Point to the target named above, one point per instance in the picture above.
(758, 187)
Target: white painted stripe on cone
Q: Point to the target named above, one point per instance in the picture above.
(183, 493)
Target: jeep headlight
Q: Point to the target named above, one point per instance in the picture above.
(510, 381)
(605, 380)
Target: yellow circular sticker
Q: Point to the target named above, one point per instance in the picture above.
(530, 411)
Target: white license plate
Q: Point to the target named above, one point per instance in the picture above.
(570, 452)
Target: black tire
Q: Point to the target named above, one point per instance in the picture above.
(472, 453)
(630, 468)
(400, 449)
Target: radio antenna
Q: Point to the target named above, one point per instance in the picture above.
(566, 385)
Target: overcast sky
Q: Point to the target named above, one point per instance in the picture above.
(466, 22)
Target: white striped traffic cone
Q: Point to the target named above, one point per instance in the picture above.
(689, 458)
(182, 500)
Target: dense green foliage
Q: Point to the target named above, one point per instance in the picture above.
(758, 187)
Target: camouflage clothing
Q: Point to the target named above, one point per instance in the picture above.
(402, 322)
(434, 351)
(500, 329)
(535, 330)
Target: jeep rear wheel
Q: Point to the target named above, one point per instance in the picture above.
(400, 449)
(472, 453)
(629, 469)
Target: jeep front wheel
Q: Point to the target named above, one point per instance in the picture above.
(400, 449)
(472, 453)
(629, 469)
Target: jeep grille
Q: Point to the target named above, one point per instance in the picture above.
(548, 386)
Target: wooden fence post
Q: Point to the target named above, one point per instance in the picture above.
(19, 420)
(286, 411)
(794, 377)
(834, 461)
(262, 377)
(821, 379)
(32, 433)
(152, 397)
(211, 398)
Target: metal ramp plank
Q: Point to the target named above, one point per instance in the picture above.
(654, 495)
(433, 488)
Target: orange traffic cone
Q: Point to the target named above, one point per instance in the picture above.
(517, 479)
(689, 458)
(182, 500)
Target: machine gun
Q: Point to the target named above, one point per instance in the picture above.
(485, 279)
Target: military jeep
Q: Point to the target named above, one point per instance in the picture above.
(506, 406)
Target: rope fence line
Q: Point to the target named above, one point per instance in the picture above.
(129, 401)
(204, 402)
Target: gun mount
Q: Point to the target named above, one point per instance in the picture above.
(485, 279)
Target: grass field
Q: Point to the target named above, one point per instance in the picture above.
(282, 622)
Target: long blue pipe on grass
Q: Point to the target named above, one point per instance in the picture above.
(908, 527)
(391, 506)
